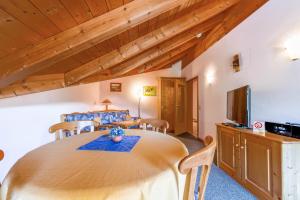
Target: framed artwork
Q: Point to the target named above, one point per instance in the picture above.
(116, 87)
(150, 91)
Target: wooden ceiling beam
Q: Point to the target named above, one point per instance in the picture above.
(34, 84)
(144, 64)
(233, 17)
(24, 63)
(198, 16)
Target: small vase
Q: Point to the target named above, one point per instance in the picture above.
(117, 138)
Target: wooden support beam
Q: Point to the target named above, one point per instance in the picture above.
(233, 17)
(177, 44)
(197, 17)
(24, 63)
(140, 65)
(34, 84)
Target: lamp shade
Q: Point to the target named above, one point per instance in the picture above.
(106, 102)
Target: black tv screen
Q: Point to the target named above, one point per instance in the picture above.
(238, 106)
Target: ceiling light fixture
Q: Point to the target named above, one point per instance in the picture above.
(199, 35)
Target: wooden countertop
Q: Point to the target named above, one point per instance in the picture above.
(268, 135)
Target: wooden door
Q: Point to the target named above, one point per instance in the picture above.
(189, 107)
(257, 168)
(180, 106)
(168, 102)
(229, 152)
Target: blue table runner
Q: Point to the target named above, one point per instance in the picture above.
(104, 143)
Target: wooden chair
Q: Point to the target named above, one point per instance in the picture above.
(156, 124)
(60, 128)
(190, 164)
(94, 124)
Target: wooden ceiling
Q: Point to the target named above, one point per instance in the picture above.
(50, 44)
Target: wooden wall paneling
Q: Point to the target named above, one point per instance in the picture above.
(78, 9)
(16, 34)
(25, 12)
(81, 37)
(97, 7)
(56, 12)
(148, 41)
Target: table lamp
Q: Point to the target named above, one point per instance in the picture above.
(106, 102)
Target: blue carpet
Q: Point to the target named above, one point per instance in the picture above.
(220, 186)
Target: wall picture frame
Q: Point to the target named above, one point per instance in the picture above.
(115, 87)
(150, 91)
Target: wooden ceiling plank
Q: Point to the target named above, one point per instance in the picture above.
(34, 84)
(78, 9)
(153, 65)
(54, 49)
(98, 7)
(112, 4)
(29, 15)
(15, 32)
(61, 67)
(127, 1)
(56, 12)
(152, 39)
(180, 43)
(231, 20)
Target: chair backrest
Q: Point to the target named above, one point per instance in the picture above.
(157, 124)
(91, 124)
(190, 164)
(59, 129)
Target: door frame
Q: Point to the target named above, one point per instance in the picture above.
(198, 105)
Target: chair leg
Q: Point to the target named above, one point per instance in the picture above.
(192, 183)
(203, 181)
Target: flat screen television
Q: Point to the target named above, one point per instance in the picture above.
(238, 106)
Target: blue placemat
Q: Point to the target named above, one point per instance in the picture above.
(104, 143)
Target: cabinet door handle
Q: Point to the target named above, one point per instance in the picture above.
(242, 147)
(237, 145)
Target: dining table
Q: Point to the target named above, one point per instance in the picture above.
(64, 170)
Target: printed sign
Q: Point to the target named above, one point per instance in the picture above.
(259, 127)
(149, 90)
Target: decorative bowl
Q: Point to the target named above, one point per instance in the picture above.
(117, 134)
(117, 138)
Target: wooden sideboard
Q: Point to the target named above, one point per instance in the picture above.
(268, 166)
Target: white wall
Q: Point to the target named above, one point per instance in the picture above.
(24, 120)
(273, 77)
(128, 98)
